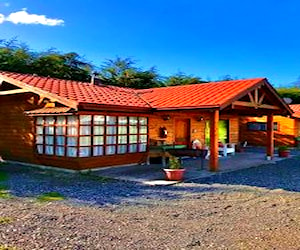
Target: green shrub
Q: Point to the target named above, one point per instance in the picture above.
(174, 163)
(51, 196)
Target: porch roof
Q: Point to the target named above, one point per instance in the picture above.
(296, 110)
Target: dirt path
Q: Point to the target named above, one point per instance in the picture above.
(239, 218)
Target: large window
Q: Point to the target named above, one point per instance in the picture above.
(91, 135)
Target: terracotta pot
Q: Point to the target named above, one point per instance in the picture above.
(174, 174)
(283, 153)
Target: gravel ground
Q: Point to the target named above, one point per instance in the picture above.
(257, 208)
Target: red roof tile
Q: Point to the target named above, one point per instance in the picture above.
(82, 92)
(296, 110)
(214, 94)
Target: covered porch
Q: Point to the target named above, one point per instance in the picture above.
(182, 127)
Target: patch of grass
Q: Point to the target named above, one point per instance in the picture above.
(101, 179)
(5, 220)
(4, 193)
(5, 247)
(3, 176)
(51, 196)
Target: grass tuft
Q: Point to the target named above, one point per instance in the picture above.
(51, 196)
(4, 247)
(5, 220)
(3, 176)
(101, 179)
(4, 192)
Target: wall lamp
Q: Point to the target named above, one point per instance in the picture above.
(166, 117)
(199, 118)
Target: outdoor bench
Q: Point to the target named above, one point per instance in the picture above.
(201, 153)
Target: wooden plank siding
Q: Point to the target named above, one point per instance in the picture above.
(16, 129)
(197, 128)
(17, 139)
(288, 129)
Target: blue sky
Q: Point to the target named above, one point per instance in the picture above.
(245, 39)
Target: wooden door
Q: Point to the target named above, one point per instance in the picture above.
(182, 132)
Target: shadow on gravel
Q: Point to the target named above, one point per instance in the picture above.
(91, 190)
(282, 175)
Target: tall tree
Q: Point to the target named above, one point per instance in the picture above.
(292, 92)
(17, 57)
(124, 73)
(182, 79)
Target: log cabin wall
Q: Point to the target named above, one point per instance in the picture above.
(288, 129)
(197, 128)
(17, 139)
(16, 129)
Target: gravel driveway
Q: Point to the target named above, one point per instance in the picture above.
(257, 208)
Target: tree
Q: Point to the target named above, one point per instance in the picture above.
(124, 73)
(293, 93)
(17, 57)
(227, 78)
(182, 79)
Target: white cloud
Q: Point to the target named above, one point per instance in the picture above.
(2, 18)
(23, 17)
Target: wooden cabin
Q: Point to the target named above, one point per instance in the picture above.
(286, 129)
(80, 125)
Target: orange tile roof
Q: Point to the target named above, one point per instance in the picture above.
(81, 92)
(296, 110)
(214, 94)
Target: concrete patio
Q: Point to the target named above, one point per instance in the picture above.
(154, 175)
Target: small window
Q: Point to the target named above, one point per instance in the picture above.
(111, 120)
(260, 126)
(85, 119)
(61, 120)
(99, 119)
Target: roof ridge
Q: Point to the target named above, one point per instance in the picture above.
(202, 84)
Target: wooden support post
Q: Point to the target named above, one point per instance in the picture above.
(270, 137)
(214, 139)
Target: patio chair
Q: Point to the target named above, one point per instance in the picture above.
(224, 150)
(227, 148)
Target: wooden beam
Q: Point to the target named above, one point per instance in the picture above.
(253, 105)
(256, 95)
(14, 91)
(214, 139)
(261, 99)
(270, 136)
(267, 106)
(50, 105)
(251, 97)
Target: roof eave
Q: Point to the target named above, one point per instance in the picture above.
(83, 106)
(188, 108)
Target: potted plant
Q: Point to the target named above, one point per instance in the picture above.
(283, 151)
(175, 171)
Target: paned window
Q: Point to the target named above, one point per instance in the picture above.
(91, 135)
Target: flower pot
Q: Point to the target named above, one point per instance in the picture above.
(283, 153)
(174, 174)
